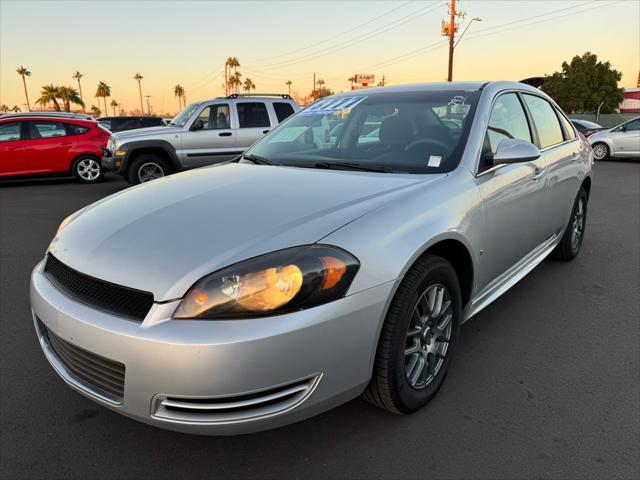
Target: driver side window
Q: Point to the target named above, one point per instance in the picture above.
(507, 120)
(215, 117)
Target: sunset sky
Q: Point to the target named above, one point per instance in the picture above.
(171, 42)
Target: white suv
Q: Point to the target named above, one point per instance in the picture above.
(204, 133)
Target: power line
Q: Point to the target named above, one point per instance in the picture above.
(395, 24)
(351, 30)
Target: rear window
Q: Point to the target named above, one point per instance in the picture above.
(545, 120)
(151, 121)
(9, 132)
(283, 110)
(253, 115)
(41, 129)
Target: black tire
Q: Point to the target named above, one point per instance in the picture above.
(144, 162)
(568, 248)
(87, 169)
(390, 388)
(601, 147)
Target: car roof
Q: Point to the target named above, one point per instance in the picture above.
(66, 115)
(441, 86)
(79, 121)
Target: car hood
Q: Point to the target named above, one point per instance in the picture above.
(146, 132)
(600, 134)
(164, 235)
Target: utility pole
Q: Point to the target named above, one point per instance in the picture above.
(449, 30)
(148, 105)
(313, 92)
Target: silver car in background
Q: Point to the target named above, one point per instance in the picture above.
(338, 257)
(622, 141)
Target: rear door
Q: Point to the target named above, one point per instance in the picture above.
(49, 146)
(210, 137)
(560, 149)
(253, 122)
(13, 158)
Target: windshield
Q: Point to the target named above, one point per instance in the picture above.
(184, 115)
(409, 132)
(588, 124)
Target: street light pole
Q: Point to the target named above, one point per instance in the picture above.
(475, 19)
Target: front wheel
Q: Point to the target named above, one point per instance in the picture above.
(601, 151)
(146, 168)
(418, 338)
(571, 242)
(87, 170)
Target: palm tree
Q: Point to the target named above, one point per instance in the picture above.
(4, 108)
(232, 62)
(69, 95)
(49, 93)
(235, 81)
(248, 85)
(103, 91)
(139, 77)
(320, 83)
(23, 72)
(288, 83)
(95, 111)
(77, 76)
(227, 66)
(351, 79)
(178, 91)
(114, 105)
(15, 109)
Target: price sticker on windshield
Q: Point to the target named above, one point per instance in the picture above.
(331, 106)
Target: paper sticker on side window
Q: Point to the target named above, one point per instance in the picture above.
(330, 106)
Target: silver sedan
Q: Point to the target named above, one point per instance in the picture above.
(338, 257)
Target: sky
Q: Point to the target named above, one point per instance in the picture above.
(186, 42)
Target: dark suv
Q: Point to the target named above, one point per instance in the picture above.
(120, 124)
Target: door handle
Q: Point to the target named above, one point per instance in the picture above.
(575, 156)
(266, 131)
(225, 134)
(538, 172)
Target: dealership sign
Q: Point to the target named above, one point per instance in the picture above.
(364, 78)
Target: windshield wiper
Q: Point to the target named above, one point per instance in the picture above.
(351, 166)
(257, 159)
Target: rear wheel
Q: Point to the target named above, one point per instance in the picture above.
(601, 151)
(569, 246)
(87, 169)
(147, 167)
(418, 338)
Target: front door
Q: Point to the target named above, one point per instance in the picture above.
(626, 139)
(512, 195)
(49, 146)
(210, 138)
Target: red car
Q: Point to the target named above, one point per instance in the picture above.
(32, 144)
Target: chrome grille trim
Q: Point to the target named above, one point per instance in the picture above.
(236, 408)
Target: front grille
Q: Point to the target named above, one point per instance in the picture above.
(236, 408)
(102, 374)
(98, 293)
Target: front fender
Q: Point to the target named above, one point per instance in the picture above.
(133, 147)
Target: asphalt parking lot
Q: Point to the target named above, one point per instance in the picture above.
(545, 384)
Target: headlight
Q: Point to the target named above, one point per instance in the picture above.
(279, 282)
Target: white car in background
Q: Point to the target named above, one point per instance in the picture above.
(620, 141)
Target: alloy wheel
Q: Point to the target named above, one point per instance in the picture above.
(88, 169)
(428, 336)
(577, 226)
(599, 151)
(150, 171)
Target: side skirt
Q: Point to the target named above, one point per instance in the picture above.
(512, 276)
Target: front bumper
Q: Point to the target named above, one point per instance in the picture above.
(111, 162)
(328, 349)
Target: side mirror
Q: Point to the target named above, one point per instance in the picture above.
(513, 150)
(197, 125)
